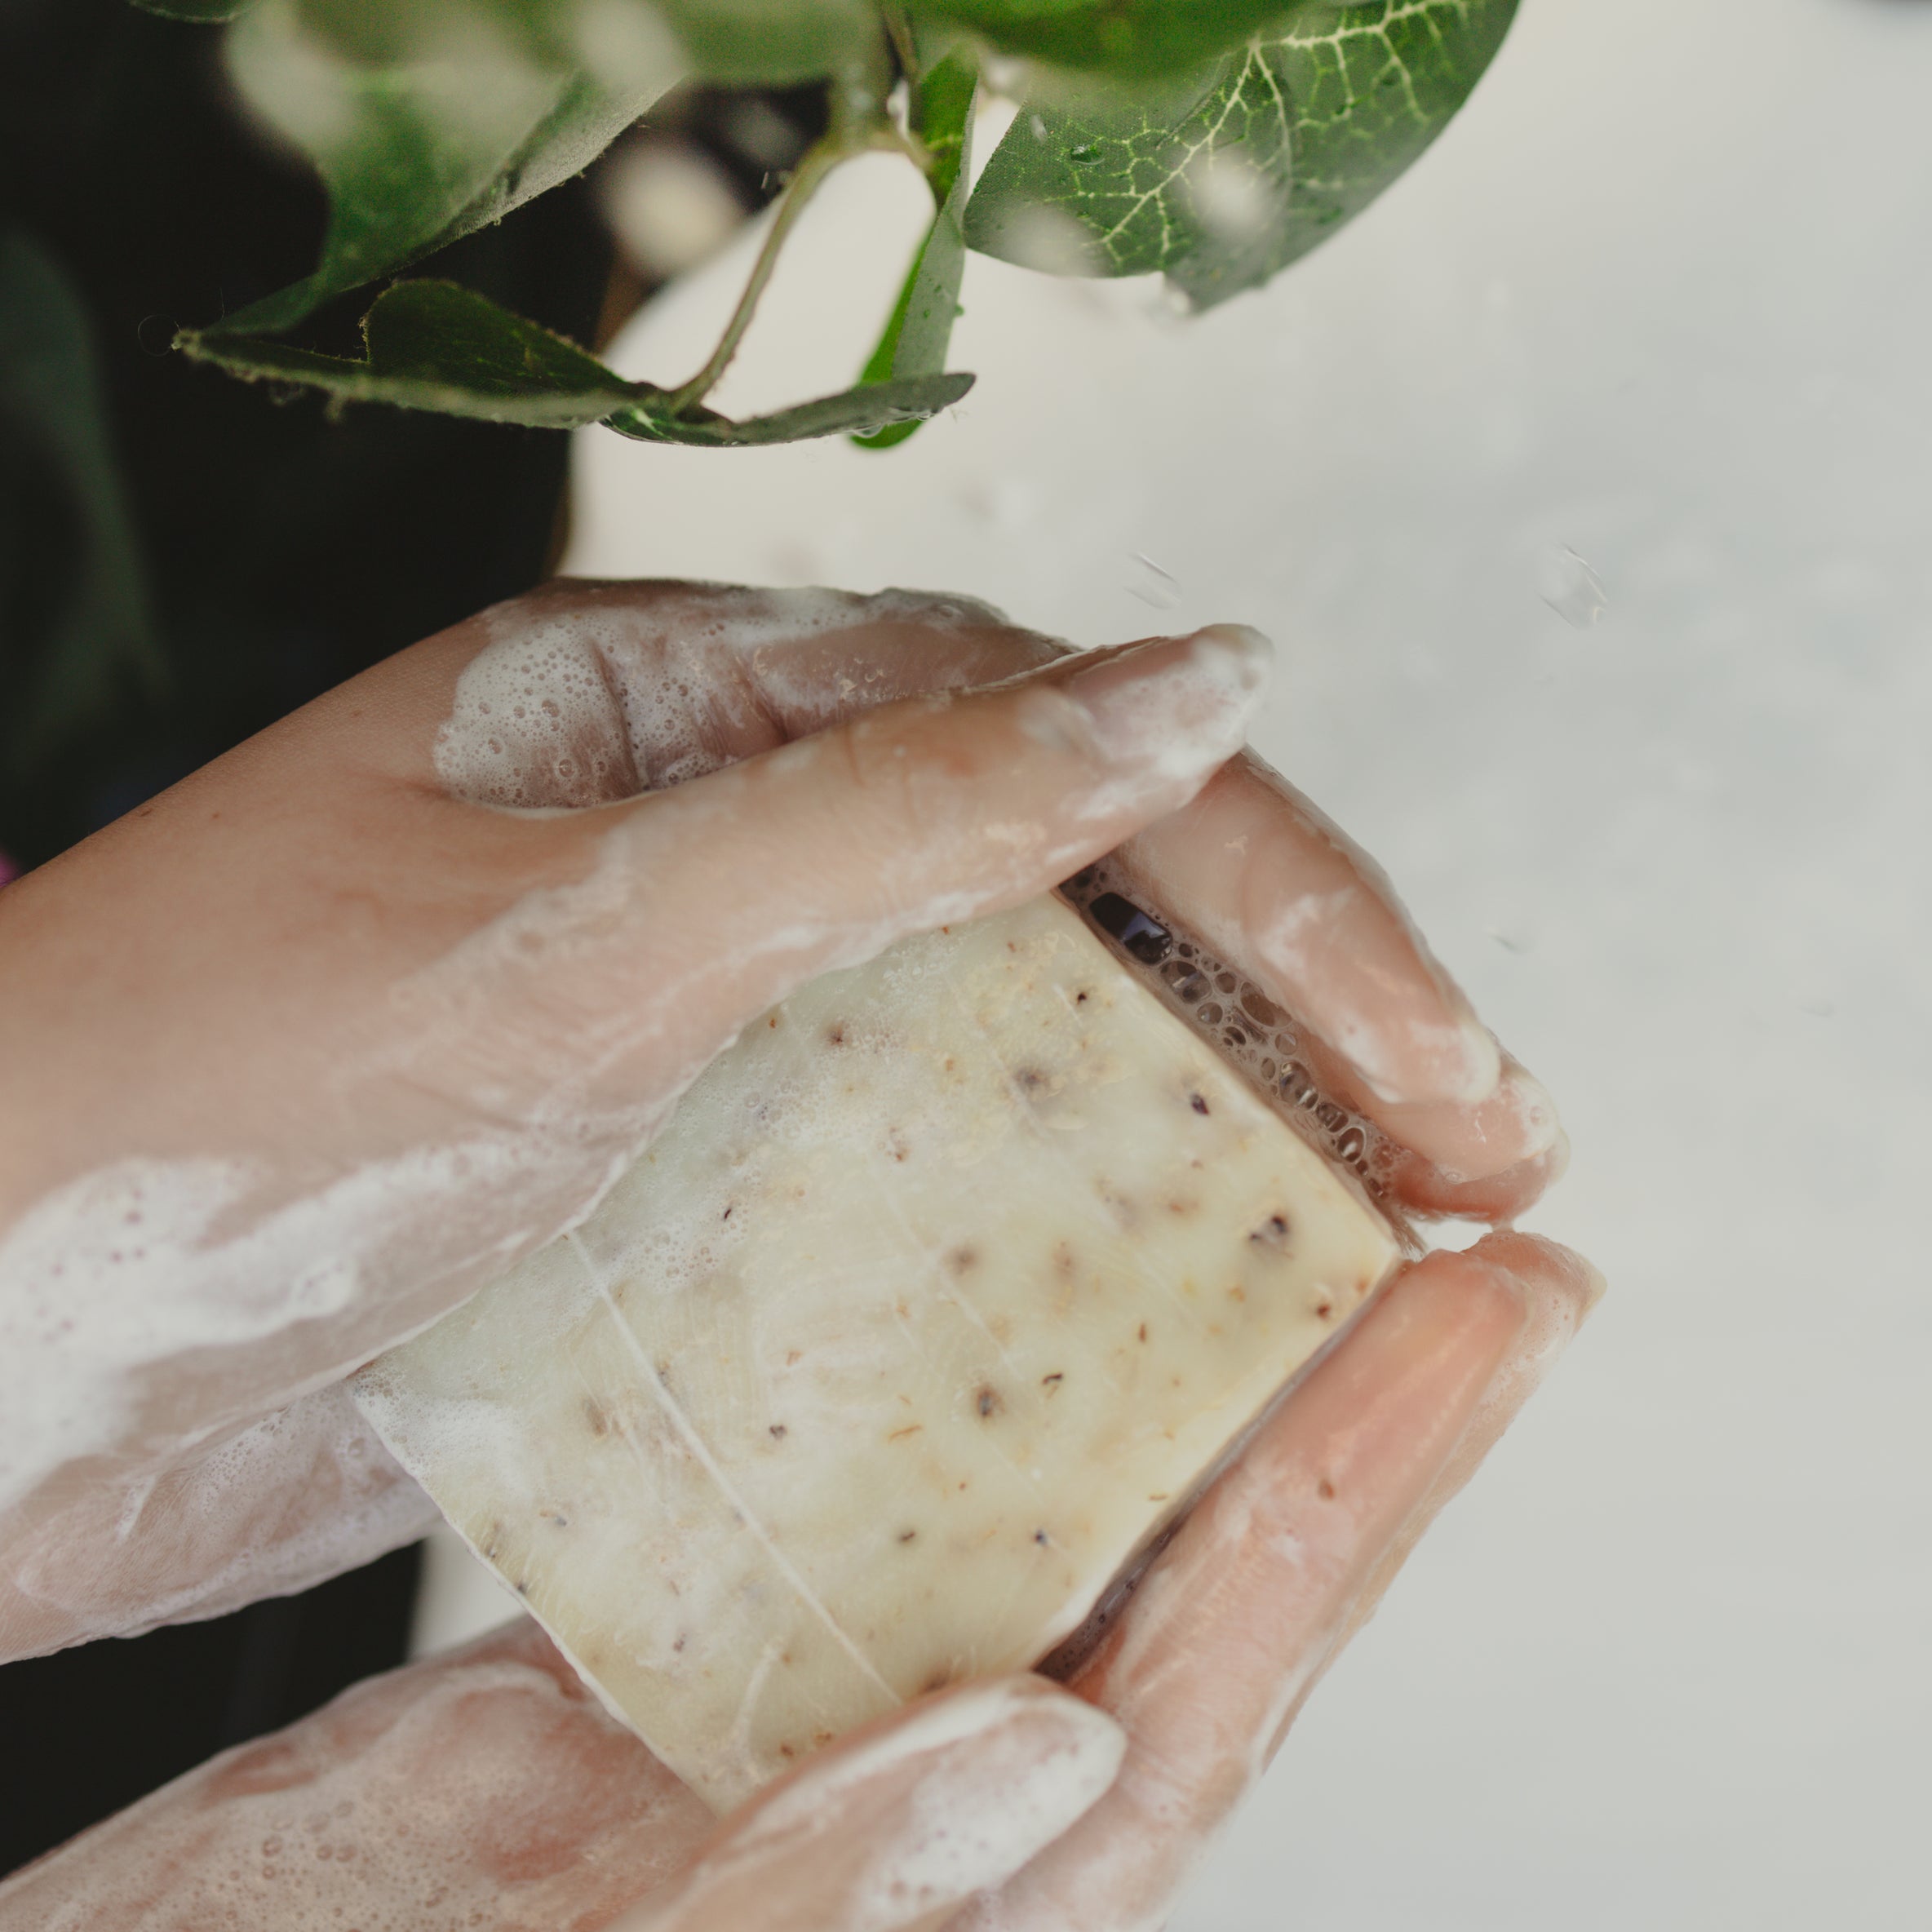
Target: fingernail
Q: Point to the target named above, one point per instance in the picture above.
(1518, 1122)
(1179, 706)
(1447, 1056)
(1358, 975)
(1534, 1109)
(1595, 1285)
(1561, 1287)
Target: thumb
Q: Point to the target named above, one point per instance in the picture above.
(898, 1825)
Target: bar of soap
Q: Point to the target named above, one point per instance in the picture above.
(941, 1292)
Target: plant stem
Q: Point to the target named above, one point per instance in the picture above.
(814, 165)
(898, 31)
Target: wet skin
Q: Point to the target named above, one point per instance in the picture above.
(312, 972)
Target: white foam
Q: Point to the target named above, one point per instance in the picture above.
(579, 699)
(147, 1261)
(484, 1790)
(991, 1776)
(291, 1500)
(980, 1813)
(100, 1278)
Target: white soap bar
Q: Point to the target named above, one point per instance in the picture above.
(940, 1293)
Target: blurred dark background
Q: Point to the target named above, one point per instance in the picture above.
(184, 559)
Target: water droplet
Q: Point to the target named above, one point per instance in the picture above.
(1051, 240)
(1232, 198)
(1151, 584)
(1570, 587)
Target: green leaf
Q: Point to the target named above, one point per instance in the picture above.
(434, 346)
(868, 408)
(1121, 36)
(428, 118)
(210, 10)
(920, 326)
(100, 635)
(769, 43)
(1279, 145)
(942, 119)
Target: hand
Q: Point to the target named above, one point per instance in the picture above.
(489, 1787)
(311, 1003)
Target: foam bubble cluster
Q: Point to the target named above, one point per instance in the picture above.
(143, 1310)
(578, 700)
(300, 1496)
(483, 1790)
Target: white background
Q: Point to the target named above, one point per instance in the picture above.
(1662, 295)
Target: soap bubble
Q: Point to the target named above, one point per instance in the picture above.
(1232, 199)
(1054, 242)
(1570, 587)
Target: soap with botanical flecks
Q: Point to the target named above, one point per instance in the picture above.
(940, 1293)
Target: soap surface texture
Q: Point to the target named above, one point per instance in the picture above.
(940, 1293)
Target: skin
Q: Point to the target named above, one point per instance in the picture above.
(313, 960)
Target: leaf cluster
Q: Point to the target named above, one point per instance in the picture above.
(1212, 141)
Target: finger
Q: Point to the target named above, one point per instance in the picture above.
(487, 1787)
(1491, 1161)
(301, 1495)
(673, 680)
(1480, 1170)
(1216, 1649)
(898, 1825)
(583, 693)
(1560, 1288)
(1276, 889)
(689, 912)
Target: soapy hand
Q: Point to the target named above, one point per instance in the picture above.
(488, 1786)
(301, 1053)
